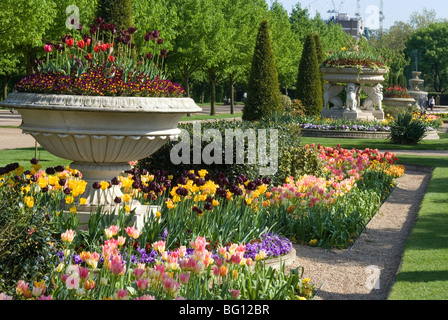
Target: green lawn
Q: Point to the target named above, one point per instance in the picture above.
(24, 155)
(441, 144)
(209, 117)
(424, 271)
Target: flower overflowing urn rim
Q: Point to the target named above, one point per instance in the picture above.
(22, 100)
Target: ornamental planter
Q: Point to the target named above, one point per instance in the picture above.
(353, 81)
(100, 134)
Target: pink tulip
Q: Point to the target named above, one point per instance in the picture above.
(141, 283)
(117, 267)
(48, 48)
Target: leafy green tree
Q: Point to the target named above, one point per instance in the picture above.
(286, 45)
(429, 45)
(309, 85)
(263, 94)
(242, 21)
(161, 16)
(116, 12)
(22, 28)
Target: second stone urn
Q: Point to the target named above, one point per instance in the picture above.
(353, 81)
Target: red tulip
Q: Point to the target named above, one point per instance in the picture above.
(70, 42)
(111, 58)
(80, 44)
(96, 49)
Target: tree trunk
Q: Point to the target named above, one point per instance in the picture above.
(202, 91)
(212, 77)
(232, 96)
(187, 84)
(186, 81)
(5, 90)
(30, 57)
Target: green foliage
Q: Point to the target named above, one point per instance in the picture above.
(309, 81)
(406, 131)
(301, 161)
(320, 57)
(116, 12)
(430, 46)
(338, 225)
(286, 102)
(26, 240)
(263, 93)
(286, 45)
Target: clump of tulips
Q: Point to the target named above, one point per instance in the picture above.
(193, 273)
(102, 62)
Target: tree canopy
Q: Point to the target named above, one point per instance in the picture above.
(428, 48)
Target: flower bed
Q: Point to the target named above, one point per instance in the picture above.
(229, 227)
(397, 92)
(102, 63)
(431, 121)
(344, 58)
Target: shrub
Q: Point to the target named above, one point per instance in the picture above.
(263, 94)
(288, 141)
(286, 102)
(406, 131)
(309, 85)
(297, 108)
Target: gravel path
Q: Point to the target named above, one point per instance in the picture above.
(367, 270)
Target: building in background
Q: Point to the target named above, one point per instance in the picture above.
(351, 25)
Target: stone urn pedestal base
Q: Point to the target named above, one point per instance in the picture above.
(353, 114)
(104, 199)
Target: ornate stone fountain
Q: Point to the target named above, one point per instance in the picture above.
(420, 96)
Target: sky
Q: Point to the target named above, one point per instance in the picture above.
(394, 10)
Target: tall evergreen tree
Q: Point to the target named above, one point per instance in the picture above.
(309, 85)
(320, 57)
(263, 92)
(116, 12)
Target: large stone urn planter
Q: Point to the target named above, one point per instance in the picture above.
(100, 134)
(353, 81)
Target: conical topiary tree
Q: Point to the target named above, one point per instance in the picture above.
(320, 57)
(309, 85)
(263, 93)
(116, 12)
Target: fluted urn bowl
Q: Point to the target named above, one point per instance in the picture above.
(354, 75)
(99, 134)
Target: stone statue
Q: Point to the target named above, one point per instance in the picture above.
(375, 97)
(352, 91)
(331, 96)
